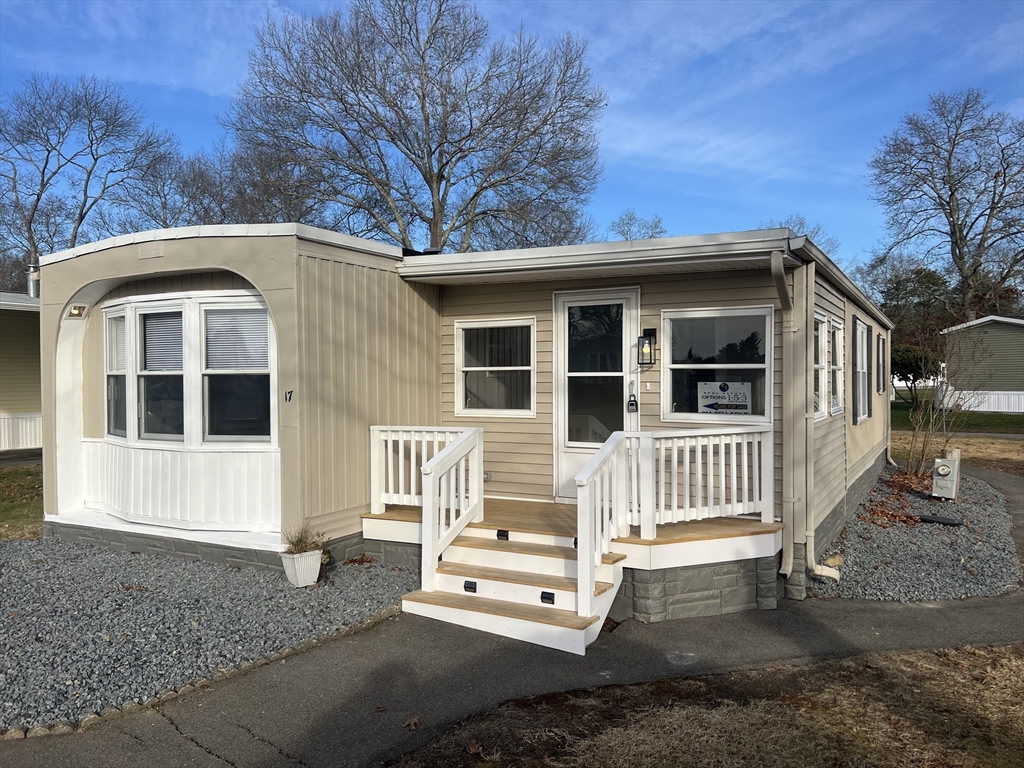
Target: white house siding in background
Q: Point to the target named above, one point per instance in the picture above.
(20, 407)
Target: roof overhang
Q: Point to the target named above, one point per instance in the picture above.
(699, 253)
(19, 302)
(301, 231)
(983, 321)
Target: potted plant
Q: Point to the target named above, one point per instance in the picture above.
(304, 556)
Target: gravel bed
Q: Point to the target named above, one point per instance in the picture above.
(908, 563)
(84, 628)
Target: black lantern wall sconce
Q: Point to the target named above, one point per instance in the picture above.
(645, 347)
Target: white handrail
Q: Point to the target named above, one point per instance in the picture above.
(453, 484)
(602, 513)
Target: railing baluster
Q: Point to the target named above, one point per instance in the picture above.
(744, 447)
(687, 506)
(734, 509)
(674, 517)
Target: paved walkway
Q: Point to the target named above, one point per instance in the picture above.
(346, 703)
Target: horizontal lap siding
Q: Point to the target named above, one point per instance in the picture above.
(829, 462)
(519, 452)
(19, 362)
(368, 355)
(987, 358)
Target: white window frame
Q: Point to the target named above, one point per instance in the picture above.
(192, 306)
(667, 366)
(460, 368)
(820, 370)
(205, 372)
(881, 372)
(109, 369)
(863, 387)
(136, 315)
(837, 370)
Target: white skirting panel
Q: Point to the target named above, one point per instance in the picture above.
(987, 402)
(19, 431)
(234, 490)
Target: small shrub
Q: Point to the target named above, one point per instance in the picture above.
(305, 539)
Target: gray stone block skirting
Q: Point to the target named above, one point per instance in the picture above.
(697, 590)
(341, 549)
(828, 530)
(393, 553)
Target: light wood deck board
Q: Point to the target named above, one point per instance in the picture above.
(554, 616)
(540, 580)
(560, 520)
(528, 548)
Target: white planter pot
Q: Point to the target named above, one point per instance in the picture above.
(302, 569)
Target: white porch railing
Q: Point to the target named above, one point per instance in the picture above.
(397, 455)
(650, 478)
(441, 470)
(453, 497)
(695, 474)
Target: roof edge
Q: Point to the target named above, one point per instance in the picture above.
(301, 231)
(981, 321)
(831, 270)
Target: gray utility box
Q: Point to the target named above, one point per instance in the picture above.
(946, 478)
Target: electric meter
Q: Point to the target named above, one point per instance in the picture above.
(946, 479)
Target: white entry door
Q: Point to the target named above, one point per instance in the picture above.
(595, 374)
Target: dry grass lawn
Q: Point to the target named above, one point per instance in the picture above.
(962, 707)
(990, 452)
(21, 502)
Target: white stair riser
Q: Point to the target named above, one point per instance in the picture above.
(559, 638)
(529, 538)
(511, 561)
(524, 594)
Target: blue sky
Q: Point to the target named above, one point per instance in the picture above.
(721, 115)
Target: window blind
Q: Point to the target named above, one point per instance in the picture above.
(237, 339)
(161, 341)
(116, 345)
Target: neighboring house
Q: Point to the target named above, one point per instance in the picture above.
(985, 365)
(654, 429)
(20, 414)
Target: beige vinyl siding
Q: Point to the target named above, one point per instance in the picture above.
(987, 358)
(829, 452)
(93, 384)
(518, 452)
(863, 440)
(368, 355)
(19, 362)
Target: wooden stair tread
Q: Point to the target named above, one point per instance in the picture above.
(541, 527)
(539, 580)
(528, 548)
(552, 616)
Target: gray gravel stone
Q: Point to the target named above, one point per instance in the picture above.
(85, 628)
(927, 561)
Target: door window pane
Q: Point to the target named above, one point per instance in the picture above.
(497, 389)
(595, 339)
(238, 405)
(594, 407)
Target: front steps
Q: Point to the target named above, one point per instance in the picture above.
(518, 583)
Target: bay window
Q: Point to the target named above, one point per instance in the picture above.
(192, 369)
(719, 365)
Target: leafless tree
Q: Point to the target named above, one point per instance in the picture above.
(629, 226)
(423, 131)
(952, 183)
(799, 224)
(64, 148)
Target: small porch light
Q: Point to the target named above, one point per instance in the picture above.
(77, 311)
(645, 347)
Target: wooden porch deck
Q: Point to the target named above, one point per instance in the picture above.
(560, 520)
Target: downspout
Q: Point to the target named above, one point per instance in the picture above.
(779, 275)
(812, 564)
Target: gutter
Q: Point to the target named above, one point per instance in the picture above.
(788, 347)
